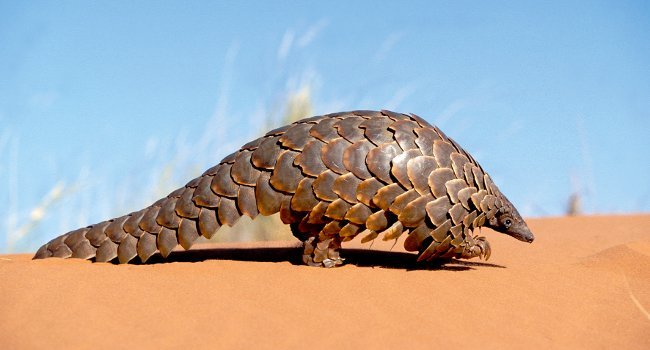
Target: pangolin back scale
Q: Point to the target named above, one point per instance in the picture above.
(331, 178)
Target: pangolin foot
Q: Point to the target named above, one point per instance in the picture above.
(480, 248)
(323, 253)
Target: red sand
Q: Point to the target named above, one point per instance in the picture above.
(584, 283)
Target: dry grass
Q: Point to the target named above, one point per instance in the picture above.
(95, 195)
(66, 206)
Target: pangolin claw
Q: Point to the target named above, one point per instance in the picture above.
(309, 260)
(484, 246)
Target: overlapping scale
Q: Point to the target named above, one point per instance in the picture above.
(316, 215)
(350, 230)
(267, 198)
(131, 224)
(376, 130)
(107, 251)
(337, 209)
(358, 213)
(252, 145)
(242, 170)
(354, 158)
(437, 210)
(74, 237)
(468, 220)
(62, 251)
(332, 155)
(386, 195)
(441, 231)
(323, 186)
(469, 176)
(279, 130)
(367, 190)
(377, 221)
(304, 198)
(332, 228)
(442, 150)
(114, 231)
(325, 130)
(296, 137)
(458, 162)
(437, 181)
(393, 232)
(403, 133)
(402, 201)
(489, 185)
(395, 116)
(146, 246)
(286, 176)
(418, 170)
(379, 160)
(416, 237)
(96, 234)
(453, 187)
(477, 198)
(425, 139)
(227, 212)
(184, 205)
(478, 177)
(414, 212)
(187, 233)
(370, 236)
(309, 160)
(148, 222)
(348, 128)
(203, 195)
(345, 187)
(464, 196)
(83, 250)
(208, 222)
(266, 154)
(399, 166)
(166, 241)
(127, 250)
(457, 213)
(246, 203)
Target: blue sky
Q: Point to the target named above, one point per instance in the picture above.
(551, 97)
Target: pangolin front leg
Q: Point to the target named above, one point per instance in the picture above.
(331, 178)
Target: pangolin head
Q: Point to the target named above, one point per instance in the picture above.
(509, 221)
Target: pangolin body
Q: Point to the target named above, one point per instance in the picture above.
(331, 178)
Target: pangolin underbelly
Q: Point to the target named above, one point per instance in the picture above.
(331, 178)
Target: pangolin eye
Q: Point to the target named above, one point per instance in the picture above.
(508, 222)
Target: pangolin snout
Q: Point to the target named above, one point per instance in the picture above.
(522, 233)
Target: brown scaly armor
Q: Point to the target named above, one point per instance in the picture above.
(331, 178)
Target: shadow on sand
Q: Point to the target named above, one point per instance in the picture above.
(357, 257)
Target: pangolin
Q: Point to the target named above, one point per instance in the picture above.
(331, 178)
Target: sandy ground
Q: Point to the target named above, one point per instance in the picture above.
(584, 283)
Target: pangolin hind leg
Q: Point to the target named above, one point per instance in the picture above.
(319, 249)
